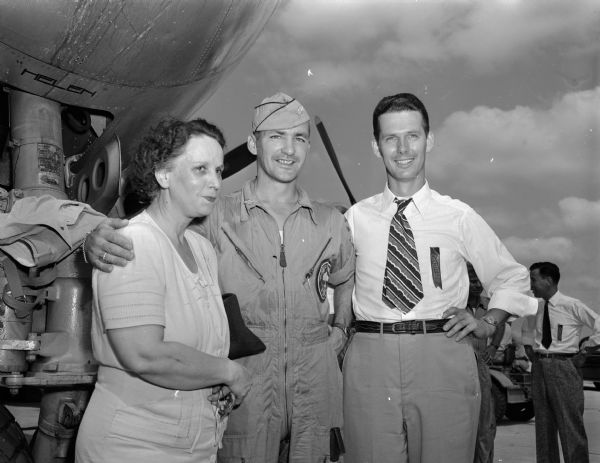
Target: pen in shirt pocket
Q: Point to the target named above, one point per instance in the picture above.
(436, 267)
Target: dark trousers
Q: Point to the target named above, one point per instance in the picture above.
(486, 429)
(558, 403)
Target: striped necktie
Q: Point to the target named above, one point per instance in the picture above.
(402, 288)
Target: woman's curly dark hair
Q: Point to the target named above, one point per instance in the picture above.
(162, 144)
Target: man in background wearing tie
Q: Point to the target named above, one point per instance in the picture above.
(411, 387)
(557, 385)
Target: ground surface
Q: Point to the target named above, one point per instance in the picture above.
(515, 442)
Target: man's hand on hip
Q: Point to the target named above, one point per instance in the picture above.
(464, 323)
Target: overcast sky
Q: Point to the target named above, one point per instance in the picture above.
(513, 92)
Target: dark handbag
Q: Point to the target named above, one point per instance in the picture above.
(243, 342)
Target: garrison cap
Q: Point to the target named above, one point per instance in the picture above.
(279, 111)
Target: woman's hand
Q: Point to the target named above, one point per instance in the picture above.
(218, 392)
(240, 383)
(223, 399)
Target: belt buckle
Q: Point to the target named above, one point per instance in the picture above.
(397, 327)
(418, 327)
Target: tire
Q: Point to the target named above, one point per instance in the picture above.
(520, 412)
(13, 444)
(499, 397)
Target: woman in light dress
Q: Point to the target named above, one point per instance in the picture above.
(160, 332)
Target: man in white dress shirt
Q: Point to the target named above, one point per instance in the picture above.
(557, 385)
(411, 385)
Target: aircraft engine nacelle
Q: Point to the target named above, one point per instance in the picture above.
(125, 63)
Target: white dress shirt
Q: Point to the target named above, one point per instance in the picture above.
(459, 233)
(567, 317)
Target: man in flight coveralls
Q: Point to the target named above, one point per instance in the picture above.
(278, 251)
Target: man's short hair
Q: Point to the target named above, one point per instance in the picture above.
(398, 103)
(547, 270)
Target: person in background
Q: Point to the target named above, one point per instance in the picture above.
(523, 337)
(504, 348)
(417, 397)
(159, 328)
(485, 351)
(557, 385)
(278, 251)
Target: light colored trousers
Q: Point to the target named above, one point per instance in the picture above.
(410, 398)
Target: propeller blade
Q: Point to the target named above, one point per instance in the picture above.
(333, 157)
(236, 159)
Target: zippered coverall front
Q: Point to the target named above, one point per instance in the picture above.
(281, 286)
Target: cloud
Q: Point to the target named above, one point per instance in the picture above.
(497, 32)
(524, 166)
(589, 283)
(580, 214)
(519, 154)
(569, 235)
(578, 218)
(363, 40)
(556, 249)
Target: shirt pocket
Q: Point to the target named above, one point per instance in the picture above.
(559, 332)
(565, 331)
(165, 422)
(440, 267)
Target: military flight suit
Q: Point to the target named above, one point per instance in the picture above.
(282, 290)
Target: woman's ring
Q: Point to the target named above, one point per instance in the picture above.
(103, 258)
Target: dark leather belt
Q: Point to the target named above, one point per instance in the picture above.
(550, 355)
(406, 327)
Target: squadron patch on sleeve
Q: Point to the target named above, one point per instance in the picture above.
(322, 279)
